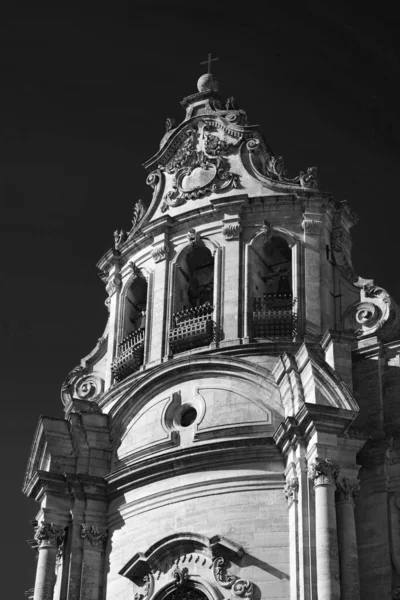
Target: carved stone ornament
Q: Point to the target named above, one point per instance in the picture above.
(231, 231)
(160, 253)
(119, 238)
(94, 537)
(274, 168)
(48, 534)
(376, 313)
(180, 575)
(291, 488)
(200, 167)
(114, 284)
(148, 589)
(311, 227)
(240, 587)
(323, 472)
(193, 237)
(81, 385)
(346, 490)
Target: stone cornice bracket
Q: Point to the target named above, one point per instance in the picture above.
(242, 588)
(346, 490)
(323, 472)
(49, 535)
(290, 490)
(311, 226)
(94, 537)
(160, 253)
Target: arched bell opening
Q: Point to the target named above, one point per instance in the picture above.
(192, 318)
(272, 312)
(130, 350)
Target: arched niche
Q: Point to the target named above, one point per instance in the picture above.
(271, 287)
(132, 322)
(194, 284)
(134, 306)
(192, 296)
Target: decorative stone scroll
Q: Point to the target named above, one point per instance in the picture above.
(159, 254)
(231, 231)
(48, 534)
(241, 588)
(323, 472)
(274, 168)
(290, 490)
(81, 385)
(94, 537)
(114, 284)
(311, 227)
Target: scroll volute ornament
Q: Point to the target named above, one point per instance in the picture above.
(81, 385)
(242, 588)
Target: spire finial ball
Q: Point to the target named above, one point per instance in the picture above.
(207, 83)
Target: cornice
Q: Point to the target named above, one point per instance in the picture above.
(312, 418)
(220, 454)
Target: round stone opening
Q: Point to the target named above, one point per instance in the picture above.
(188, 416)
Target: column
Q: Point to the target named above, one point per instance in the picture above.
(312, 275)
(323, 474)
(49, 538)
(94, 540)
(231, 284)
(158, 332)
(347, 539)
(290, 490)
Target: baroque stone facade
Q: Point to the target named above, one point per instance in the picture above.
(243, 362)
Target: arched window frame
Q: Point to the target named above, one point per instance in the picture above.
(216, 251)
(297, 289)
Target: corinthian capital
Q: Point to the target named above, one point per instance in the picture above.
(94, 537)
(48, 534)
(323, 472)
(290, 489)
(346, 489)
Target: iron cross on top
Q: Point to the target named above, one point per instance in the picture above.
(208, 63)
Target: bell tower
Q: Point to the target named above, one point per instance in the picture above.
(213, 438)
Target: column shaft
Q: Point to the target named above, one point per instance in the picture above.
(348, 551)
(45, 573)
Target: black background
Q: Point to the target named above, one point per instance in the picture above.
(83, 100)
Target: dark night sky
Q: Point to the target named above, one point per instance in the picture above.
(83, 102)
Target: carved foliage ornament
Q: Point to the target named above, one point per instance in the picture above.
(323, 472)
(240, 587)
(200, 168)
(114, 284)
(81, 385)
(346, 489)
(48, 534)
(93, 536)
(290, 489)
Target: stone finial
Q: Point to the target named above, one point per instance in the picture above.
(323, 472)
(207, 83)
